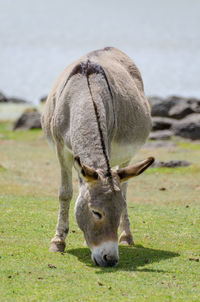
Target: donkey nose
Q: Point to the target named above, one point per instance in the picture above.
(109, 260)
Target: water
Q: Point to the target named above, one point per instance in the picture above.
(39, 38)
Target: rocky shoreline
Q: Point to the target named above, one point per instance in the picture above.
(175, 115)
(8, 100)
(171, 116)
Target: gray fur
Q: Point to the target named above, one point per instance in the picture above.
(98, 112)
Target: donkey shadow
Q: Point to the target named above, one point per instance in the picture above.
(131, 258)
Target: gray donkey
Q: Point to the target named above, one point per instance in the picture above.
(97, 117)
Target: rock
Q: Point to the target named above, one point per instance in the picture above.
(171, 164)
(162, 107)
(180, 110)
(184, 107)
(43, 99)
(12, 100)
(30, 119)
(16, 101)
(161, 135)
(195, 103)
(161, 123)
(174, 106)
(3, 98)
(189, 127)
(195, 117)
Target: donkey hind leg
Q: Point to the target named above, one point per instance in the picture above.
(126, 237)
(65, 196)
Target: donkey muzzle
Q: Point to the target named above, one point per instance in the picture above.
(106, 254)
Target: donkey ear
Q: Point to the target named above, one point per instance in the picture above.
(134, 170)
(86, 172)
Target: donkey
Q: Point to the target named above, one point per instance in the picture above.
(97, 117)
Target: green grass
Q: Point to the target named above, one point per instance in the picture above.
(165, 225)
(22, 135)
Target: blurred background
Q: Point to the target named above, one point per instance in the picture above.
(40, 38)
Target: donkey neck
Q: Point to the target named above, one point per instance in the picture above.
(89, 136)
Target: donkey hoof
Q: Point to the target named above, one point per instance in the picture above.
(57, 246)
(126, 239)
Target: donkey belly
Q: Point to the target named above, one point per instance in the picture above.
(122, 153)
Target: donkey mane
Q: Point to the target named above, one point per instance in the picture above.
(86, 69)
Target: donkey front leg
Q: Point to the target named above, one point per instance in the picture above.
(126, 237)
(65, 196)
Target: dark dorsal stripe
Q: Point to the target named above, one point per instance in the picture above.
(86, 69)
(83, 68)
(94, 68)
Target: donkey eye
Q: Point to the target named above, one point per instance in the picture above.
(97, 214)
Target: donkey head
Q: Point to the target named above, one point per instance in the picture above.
(99, 207)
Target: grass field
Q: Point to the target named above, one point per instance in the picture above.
(164, 209)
